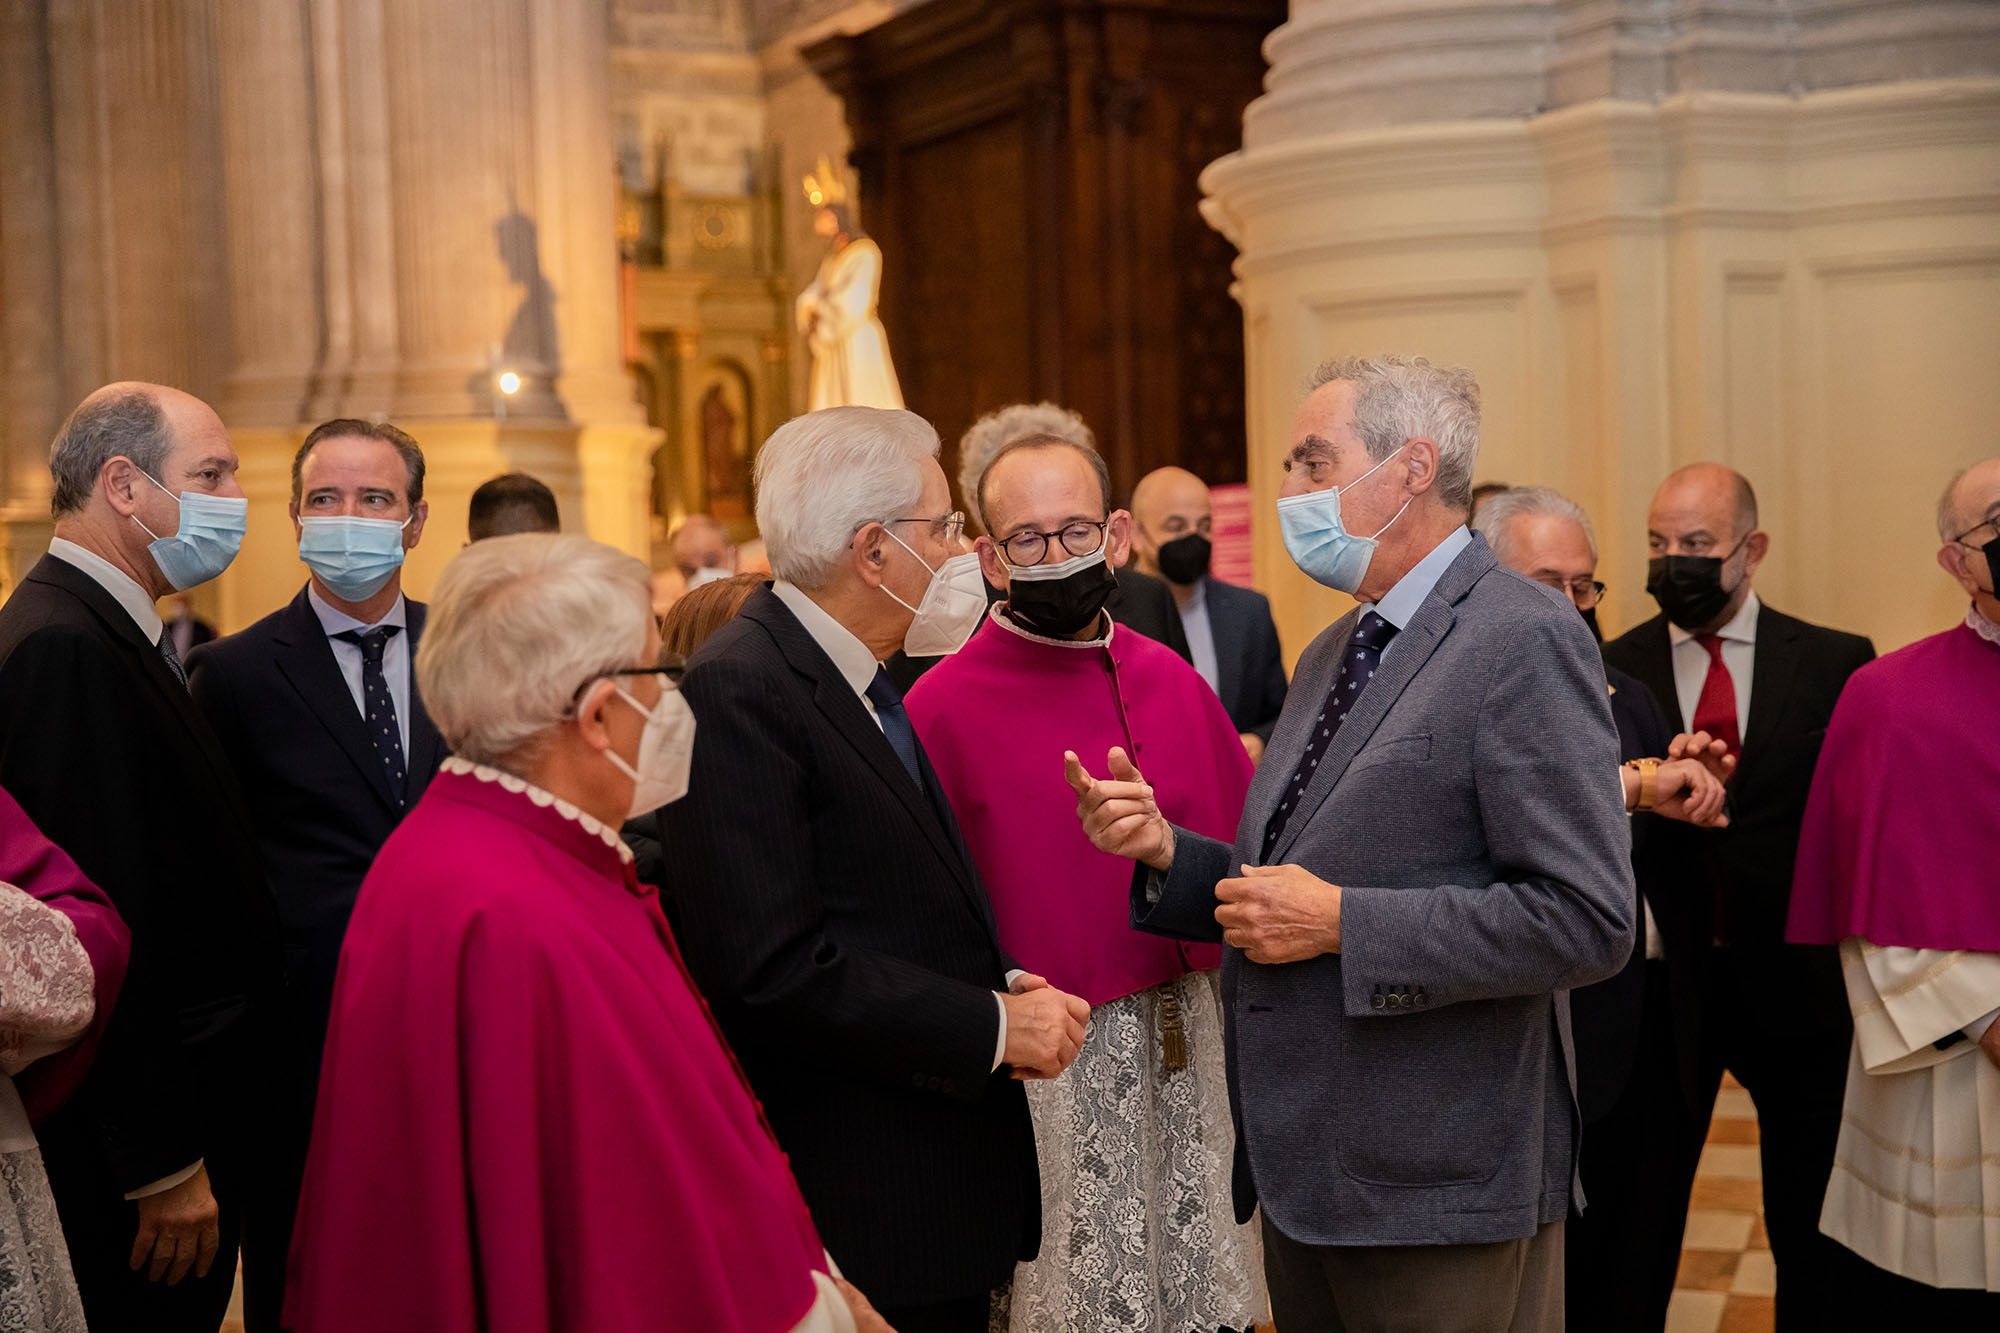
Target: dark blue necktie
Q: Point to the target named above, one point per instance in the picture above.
(895, 720)
(166, 647)
(378, 706)
(1357, 668)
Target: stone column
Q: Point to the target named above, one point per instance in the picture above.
(1755, 233)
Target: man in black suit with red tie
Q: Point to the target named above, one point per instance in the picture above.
(1773, 1014)
(827, 906)
(316, 706)
(151, 1160)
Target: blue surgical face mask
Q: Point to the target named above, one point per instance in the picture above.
(353, 557)
(208, 537)
(1320, 545)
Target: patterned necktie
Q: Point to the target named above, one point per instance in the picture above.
(378, 705)
(895, 720)
(166, 647)
(1357, 668)
(1715, 710)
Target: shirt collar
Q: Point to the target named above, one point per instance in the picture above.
(1400, 605)
(1006, 622)
(548, 800)
(1199, 600)
(1742, 626)
(1988, 630)
(335, 621)
(851, 657)
(115, 581)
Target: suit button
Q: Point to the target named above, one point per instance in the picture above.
(946, 1085)
(1422, 999)
(1381, 1002)
(916, 1080)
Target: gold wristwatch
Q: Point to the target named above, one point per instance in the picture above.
(1647, 769)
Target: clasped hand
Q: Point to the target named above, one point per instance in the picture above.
(1045, 1027)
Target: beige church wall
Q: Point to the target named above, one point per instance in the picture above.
(1806, 288)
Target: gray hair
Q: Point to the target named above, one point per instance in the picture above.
(516, 625)
(129, 425)
(1498, 512)
(824, 476)
(1947, 506)
(985, 438)
(1400, 398)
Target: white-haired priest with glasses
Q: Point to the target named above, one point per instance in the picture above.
(526, 1118)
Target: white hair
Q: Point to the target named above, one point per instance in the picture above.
(1401, 398)
(1949, 519)
(516, 625)
(824, 476)
(1498, 512)
(985, 438)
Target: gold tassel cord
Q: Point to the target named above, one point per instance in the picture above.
(1173, 1032)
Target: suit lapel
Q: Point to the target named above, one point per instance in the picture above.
(1310, 685)
(306, 661)
(837, 701)
(1222, 628)
(61, 574)
(426, 745)
(1771, 672)
(1655, 669)
(1400, 663)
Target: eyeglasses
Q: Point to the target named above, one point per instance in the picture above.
(947, 529)
(1993, 523)
(1586, 593)
(671, 668)
(1030, 547)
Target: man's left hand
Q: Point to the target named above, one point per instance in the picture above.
(1279, 914)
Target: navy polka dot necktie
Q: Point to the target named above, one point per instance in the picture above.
(378, 705)
(1357, 667)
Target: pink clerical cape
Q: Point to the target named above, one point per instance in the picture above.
(527, 1121)
(42, 870)
(1897, 845)
(995, 718)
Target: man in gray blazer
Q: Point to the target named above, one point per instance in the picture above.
(1434, 851)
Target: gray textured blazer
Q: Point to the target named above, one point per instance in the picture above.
(1417, 1088)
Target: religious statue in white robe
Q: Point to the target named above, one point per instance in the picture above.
(836, 313)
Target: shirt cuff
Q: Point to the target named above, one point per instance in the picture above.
(1975, 1031)
(164, 1183)
(1000, 1039)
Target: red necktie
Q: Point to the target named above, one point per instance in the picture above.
(1715, 711)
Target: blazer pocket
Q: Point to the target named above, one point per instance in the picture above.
(1419, 1108)
(1401, 750)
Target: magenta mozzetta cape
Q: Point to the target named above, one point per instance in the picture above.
(42, 870)
(1897, 845)
(527, 1121)
(995, 718)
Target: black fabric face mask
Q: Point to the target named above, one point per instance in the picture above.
(1992, 553)
(1590, 619)
(1689, 587)
(1184, 560)
(1059, 600)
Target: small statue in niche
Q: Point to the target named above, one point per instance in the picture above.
(723, 452)
(850, 348)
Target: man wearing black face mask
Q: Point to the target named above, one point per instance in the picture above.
(1774, 1015)
(1230, 632)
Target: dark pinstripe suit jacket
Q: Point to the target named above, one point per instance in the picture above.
(830, 914)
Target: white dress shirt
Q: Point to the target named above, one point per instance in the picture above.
(348, 656)
(129, 595)
(857, 666)
(1201, 636)
(1739, 654)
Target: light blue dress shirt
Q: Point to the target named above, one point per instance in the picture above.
(347, 656)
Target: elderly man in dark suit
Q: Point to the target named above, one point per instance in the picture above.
(1638, 1032)
(1232, 640)
(1773, 1014)
(102, 747)
(1432, 854)
(827, 905)
(317, 708)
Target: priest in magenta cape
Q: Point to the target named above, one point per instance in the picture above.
(1897, 866)
(527, 1120)
(1134, 1140)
